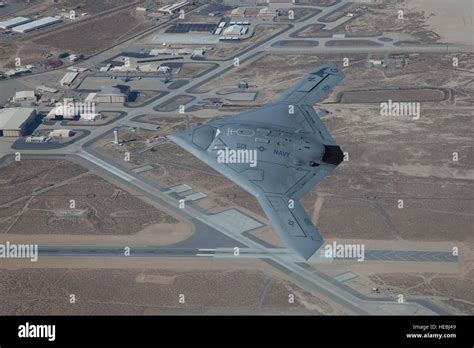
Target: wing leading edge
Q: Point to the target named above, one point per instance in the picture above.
(313, 87)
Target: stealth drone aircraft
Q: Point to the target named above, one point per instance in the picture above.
(293, 151)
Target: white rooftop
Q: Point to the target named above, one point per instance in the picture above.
(235, 29)
(172, 7)
(25, 95)
(39, 23)
(13, 22)
(69, 77)
(195, 196)
(13, 118)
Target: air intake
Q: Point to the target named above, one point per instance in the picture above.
(333, 155)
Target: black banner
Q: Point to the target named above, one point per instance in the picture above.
(290, 331)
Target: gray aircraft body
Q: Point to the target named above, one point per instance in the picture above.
(277, 153)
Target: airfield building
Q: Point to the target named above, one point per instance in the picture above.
(171, 51)
(11, 23)
(90, 117)
(66, 110)
(235, 30)
(252, 12)
(19, 71)
(15, 122)
(173, 8)
(91, 98)
(240, 2)
(68, 78)
(37, 24)
(112, 95)
(47, 89)
(61, 133)
(25, 98)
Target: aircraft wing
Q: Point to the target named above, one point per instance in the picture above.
(274, 186)
(313, 87)
(286, 135)
(292, 224)
(294, 109)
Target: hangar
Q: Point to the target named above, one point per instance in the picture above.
(37, 24)
(235, 30)
(24, 98)
(11, 23)
(183, 28)
(61, 133)
(116, 94)
(173, 8)
(15, 122)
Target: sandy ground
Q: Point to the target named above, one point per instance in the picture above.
(156, 234)
(447, 284)
(452, 20)
(148, 286)
(18, 180)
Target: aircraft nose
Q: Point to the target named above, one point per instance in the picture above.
(332, 155)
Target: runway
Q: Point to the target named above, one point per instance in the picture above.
(230, 252)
